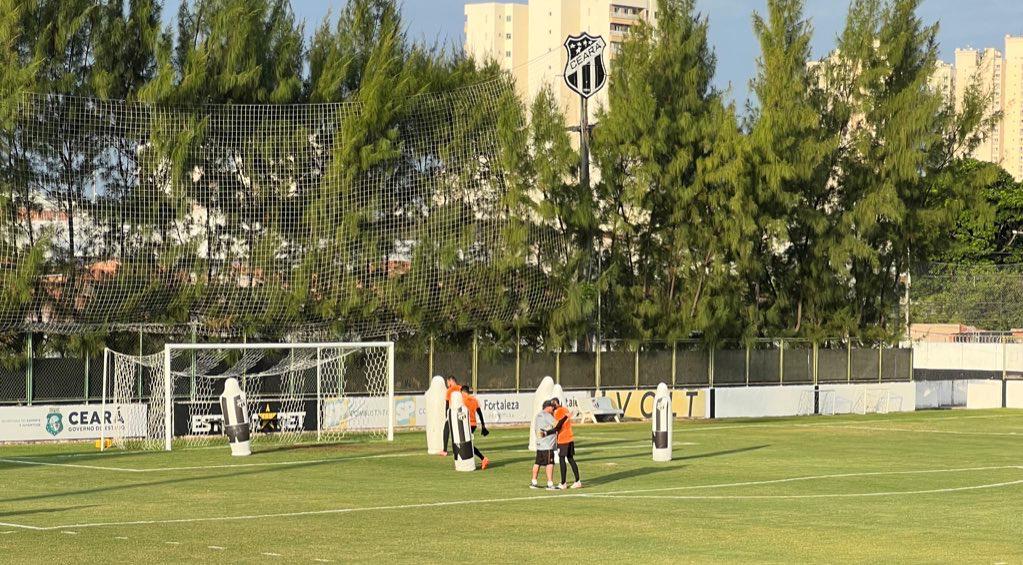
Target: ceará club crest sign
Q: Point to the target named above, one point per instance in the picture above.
(585, 73)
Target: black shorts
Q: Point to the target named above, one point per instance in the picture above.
(544, 457)
(566, 450)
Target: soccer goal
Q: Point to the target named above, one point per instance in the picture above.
(823, 398)
(295, 392)
(877, 401)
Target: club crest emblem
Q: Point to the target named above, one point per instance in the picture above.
(54, 422)
(584, 72)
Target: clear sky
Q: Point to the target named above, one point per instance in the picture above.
(977, 23)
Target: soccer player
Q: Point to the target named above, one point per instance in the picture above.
(566, 443)
(473, 406)
(453, 386)
(545, 438)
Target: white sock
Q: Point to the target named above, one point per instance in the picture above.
(550, 484)
(533, 481)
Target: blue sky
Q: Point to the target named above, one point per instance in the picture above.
(977, 23)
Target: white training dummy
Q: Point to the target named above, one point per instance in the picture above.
(435, 415)
(543, 392)
(661, 421)
(559, 393)
(236, 418)
(461, 434)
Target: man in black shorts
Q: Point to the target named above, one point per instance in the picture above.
(546, 436)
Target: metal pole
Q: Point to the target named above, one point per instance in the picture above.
(192, 369)
(390, 392)
(814, 365)
(430, 376)
(475, 360)
(636, 366)
(103, 403)
(319, 395)
(848, 361)
(880, 355)
(674, 363)
(28, 370)
(781, 363)
(86, 389)
(168, 407)
(140, 367)
(557, 366)
(710, 368)
(518, 357)
(747, 364)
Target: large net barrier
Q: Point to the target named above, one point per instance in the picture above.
(989, 297)
(118, 214)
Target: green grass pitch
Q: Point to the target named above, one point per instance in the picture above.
(924, 487)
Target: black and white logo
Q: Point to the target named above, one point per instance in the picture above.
(584, 72)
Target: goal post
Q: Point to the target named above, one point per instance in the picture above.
(296, 392)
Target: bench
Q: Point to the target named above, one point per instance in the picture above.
(600, 407)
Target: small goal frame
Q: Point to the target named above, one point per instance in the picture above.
(170, 348)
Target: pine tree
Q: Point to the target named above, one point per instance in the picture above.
(666, 153)
(790, 152)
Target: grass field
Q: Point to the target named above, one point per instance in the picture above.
(923, 487)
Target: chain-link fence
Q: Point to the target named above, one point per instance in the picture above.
(492, 367)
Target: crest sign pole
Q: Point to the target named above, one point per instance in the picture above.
(586, 75)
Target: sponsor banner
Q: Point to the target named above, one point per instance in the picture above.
(269, 416)
(506, 408)
(516, 407)
(685, 403)
(71, 421)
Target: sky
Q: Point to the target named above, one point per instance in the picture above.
(963, 23)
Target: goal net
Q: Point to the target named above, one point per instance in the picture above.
(294, 392)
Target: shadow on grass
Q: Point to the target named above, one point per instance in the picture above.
(180, 480)
(628, 474)
(45, 510)
(647, 453)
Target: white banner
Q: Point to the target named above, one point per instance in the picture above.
(70, 421)
(410, 410)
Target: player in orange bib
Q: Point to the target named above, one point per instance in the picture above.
(453, 386)
(566, 443)
(473, 406)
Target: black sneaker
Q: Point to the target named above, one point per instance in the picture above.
(534, 485)
(552, 487)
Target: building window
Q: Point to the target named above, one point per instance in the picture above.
(507, 53)
(507, 36)
(507, 18)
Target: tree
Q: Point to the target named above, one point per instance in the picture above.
(790, 152)
(666, 152)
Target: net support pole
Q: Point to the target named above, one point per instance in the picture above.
(87, 368)
(28, 371)
(103, 403)
(168, 404)
(319, 395)
(390, 391)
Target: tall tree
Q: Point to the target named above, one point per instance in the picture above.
(790, 152)
(665, 148)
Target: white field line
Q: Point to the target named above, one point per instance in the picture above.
(815, 478)
(72, 465)
(22, 526)
(796, 496)
(203, 467)
(926, 431)
(787, 424)
(352, 510)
